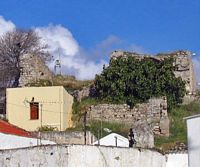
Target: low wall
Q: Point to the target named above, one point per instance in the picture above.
(153, 113)
(177, 160)
(66, 137)
(81, 155)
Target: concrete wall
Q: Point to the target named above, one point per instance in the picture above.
(193, 135)
(66, 137)
(67, 108)
(8, 141)
(177, 160)
(80, 155)
(55, 107)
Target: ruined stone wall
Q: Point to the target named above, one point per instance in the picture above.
(146, 119)
(183, 62)
(33, 69)
(154, 112)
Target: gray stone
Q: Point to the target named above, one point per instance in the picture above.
(33, 69)
(143, 134)
(153, 120)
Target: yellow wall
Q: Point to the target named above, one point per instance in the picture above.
(56, 107)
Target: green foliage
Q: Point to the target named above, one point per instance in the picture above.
(97, 128)
(178, 130)
(79, 107)
(47, 128)
(40, 82)
(130, 80)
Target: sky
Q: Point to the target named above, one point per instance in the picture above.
(85, 32)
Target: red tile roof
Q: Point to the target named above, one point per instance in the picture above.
(8, 128)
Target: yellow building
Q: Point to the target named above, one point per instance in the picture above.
(34, 107)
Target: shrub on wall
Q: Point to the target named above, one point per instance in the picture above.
(130, 80)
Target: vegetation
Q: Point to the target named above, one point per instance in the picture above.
(101, 128)
(40, 82)
(13, 45)
(178, 131)
(70, 82)
(96, 127)
(47, 128)
(130, 80)
(80, 107)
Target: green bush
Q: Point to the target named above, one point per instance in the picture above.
(130, 80)
(80, 107)
(178, 129)
(47, 128)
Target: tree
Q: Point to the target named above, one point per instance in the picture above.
(14, 45)
(130, 80)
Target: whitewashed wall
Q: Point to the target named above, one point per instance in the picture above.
(193, 128)
(81, 156)
(177, 160)
(8, 141)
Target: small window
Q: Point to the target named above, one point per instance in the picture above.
(34, 110)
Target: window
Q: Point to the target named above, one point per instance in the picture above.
(34, 110)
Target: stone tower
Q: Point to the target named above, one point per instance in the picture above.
(33, 69)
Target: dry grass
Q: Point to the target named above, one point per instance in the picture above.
(70, 82)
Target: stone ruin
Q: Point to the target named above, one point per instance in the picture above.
(33, 69)
(183, 63)
(147, 119)
(184, 69)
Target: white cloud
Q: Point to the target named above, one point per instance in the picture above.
(59, 39)
(5, 25)
(84, 64)
(61, 42)
(137, 49)
(196, 63)
(75, 60)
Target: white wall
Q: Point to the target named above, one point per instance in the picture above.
(193, 129)
(12, 141)
(177, 160)
(81, 156)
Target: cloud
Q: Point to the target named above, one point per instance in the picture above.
(59, 39)
(75, 60)
(63, 46)
(137, 49)
(196, 63)
(5, 25)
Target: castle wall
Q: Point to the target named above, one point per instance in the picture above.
(33, 69)
(183, 62)
(146, 119)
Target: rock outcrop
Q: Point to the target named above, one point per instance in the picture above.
(81, 94)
